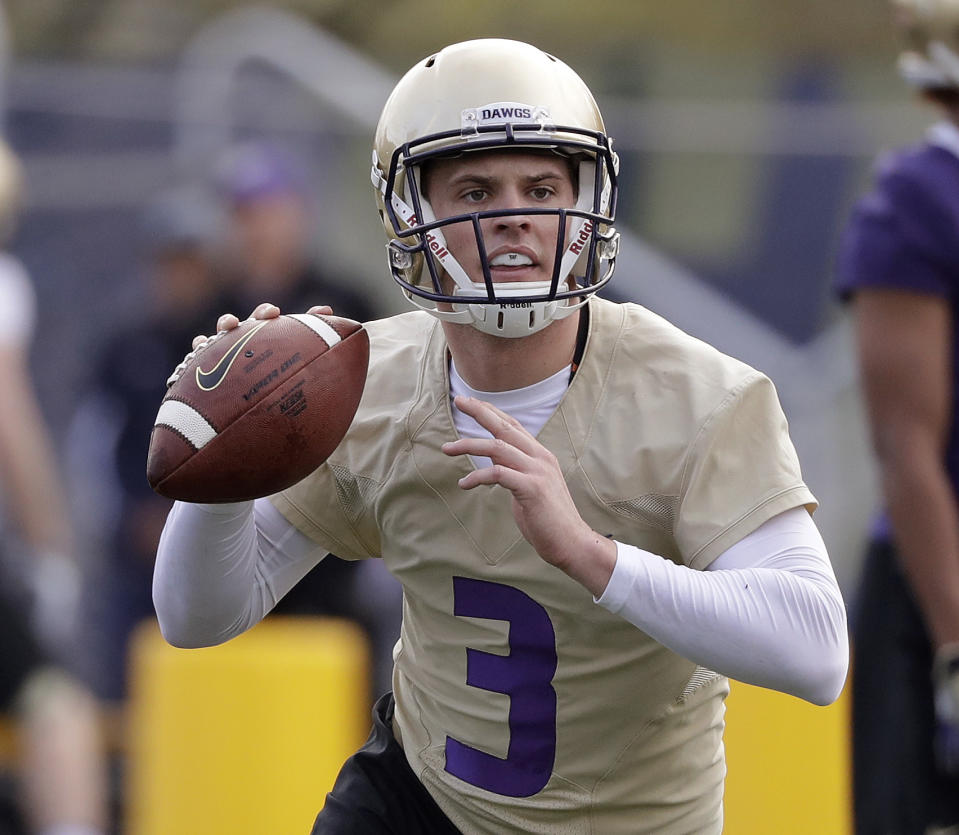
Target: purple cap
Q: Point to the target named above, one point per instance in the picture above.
(254, 170)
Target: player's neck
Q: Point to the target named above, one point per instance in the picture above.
(495, 363)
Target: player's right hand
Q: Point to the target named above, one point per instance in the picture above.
(946, 689)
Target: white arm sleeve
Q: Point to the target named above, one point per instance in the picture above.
(222, 567)
(767, 612)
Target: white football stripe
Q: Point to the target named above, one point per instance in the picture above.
(187, 421)
(318, 326)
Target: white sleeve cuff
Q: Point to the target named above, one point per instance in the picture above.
(617, 590)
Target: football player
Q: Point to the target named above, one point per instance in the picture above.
(595, 517)
(899, 265)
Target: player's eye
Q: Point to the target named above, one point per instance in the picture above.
(541, 193)
(475, 195)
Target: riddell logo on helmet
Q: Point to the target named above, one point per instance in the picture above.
(438, 249)
(581, 239)
(432, 241)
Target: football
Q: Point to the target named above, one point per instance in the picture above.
(255, 409)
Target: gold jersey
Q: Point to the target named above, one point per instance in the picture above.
(521, 704)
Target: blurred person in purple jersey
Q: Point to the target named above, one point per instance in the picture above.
(899, 266)
(62, 779)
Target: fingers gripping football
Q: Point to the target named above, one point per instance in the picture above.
(266, 310)
(542, 506)
(229, 321)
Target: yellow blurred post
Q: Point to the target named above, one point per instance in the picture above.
(790, 770)
(248, 736)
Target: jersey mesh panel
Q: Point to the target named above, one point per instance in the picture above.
(353, 492)
(700, 678)
(653, 508)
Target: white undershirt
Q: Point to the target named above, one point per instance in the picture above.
(768, 611)
(532, 406)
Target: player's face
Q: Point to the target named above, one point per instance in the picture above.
(519, 247)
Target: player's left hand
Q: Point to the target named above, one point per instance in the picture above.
(542, 505)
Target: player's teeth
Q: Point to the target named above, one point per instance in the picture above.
(511, 259)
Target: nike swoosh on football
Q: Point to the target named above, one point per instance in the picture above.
(209, 380)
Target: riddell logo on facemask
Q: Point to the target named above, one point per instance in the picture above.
(515, 305)
(582, 239)
(437, 248)
(432, 241)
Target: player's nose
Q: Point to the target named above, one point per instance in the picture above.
(512, 221)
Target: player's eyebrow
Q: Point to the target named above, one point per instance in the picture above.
(468, 178)
(471, 179)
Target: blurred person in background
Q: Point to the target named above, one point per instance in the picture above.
(271, 231)
(57, 719)
(271, 253)
(899, 266)
(180, 233)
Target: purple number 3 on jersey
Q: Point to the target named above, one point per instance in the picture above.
(525, 675)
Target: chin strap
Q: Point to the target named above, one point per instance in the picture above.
(582, 334)
(516, 319)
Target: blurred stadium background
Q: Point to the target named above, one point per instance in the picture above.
(746, 131)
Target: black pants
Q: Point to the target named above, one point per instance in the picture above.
(897, 789)
(377, 793)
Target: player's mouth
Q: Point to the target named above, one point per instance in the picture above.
(512, 263)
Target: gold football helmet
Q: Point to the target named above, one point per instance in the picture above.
(483, 95)
(930, 29)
